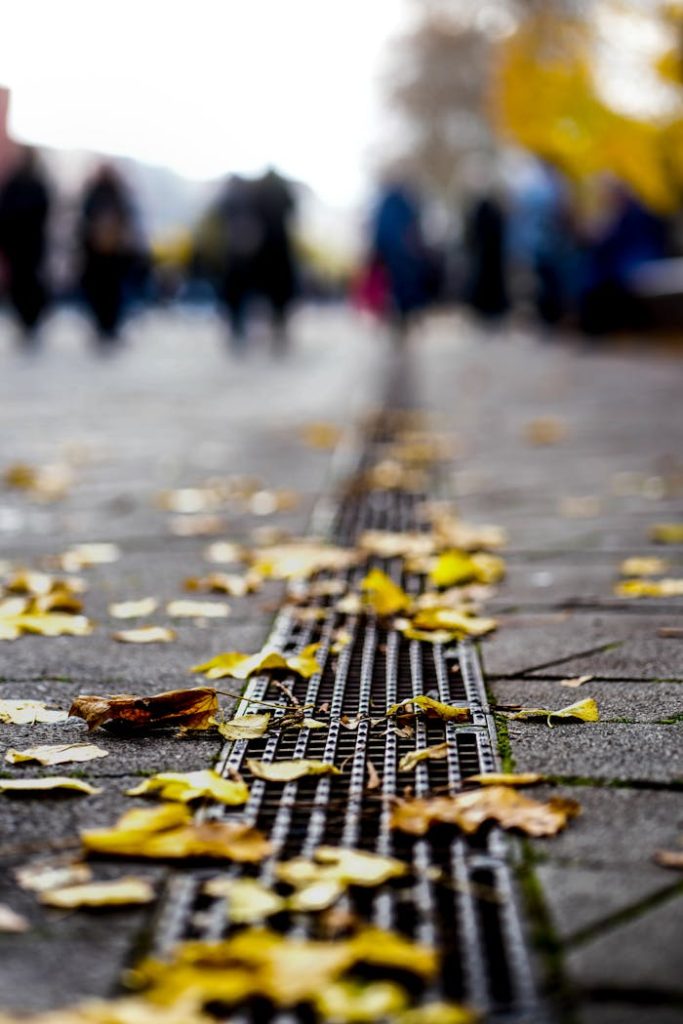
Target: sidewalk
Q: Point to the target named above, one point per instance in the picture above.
(174, 410)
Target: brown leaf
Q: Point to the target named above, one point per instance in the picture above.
(145, 635)
(470, 810)
(190, 709)
(11, 922)
(670, 859)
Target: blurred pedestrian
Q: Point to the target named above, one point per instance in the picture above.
(275, 268)
(110, 249)
(485, 242)
(24, 210)
(398, 250)
(239, 233)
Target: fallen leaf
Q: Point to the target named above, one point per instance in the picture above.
(168, 832)
(667, 533)
(191, 709)
(545, 430)
(321, 435)
(189, 500)
(187, 786)
(341, 638)
(668, 587)
(47, 783)
(458, 622)
(289, 770)
(576, 681)
(59, 753)
(244, 727)
(44, 483)
(456, 567)
(224, 552)
(229, 583)
(389, 544)
(133, 609)
(670, 632)
(249, 901)
(197, 610)
(43, 875)
(145, 635)
(196, 525)
(14, 621)
(438, 1013)
(647, 565)
(506, 778)
(470, 810)
(340, 865)
(391, 474)
(411, 760)
(451, 532)
(40, 584)
(434, 636)
(299, 559)
(382, 595)
(584, 710)
(242, 666)
(28, 712)
(85, 556)
(11, 922)
(118, 893)
(669, 859)
(265, 503)
(115, 1011)
(357, 1002)
(430, 708)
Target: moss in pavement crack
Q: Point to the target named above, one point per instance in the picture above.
(507, 760)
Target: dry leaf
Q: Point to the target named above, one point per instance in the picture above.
(40, 584)
(243, 666)
(456, 567)
(289, 770)
(382, 595)
(506, 778)
(545, 430)
(438, 1013)
(361, 1002)
(11, 922)
(430, 708)
(576, 681)
(340, 865)
(188, 500)
(187, 786)
(435, 636)
(28, 712)
(667, 533)
(44, 483)
(226, 583)
(249, 901)
(119, 893)
(59, 753)
(669, 859)
(583, 710)
(668, 587)
(115, 1011)
(168, 832)
(456, 621)
(341, 638)
(264, 503)
(470, 810)
(134, 609)
(15, 620)
(224, 552)
(389, 544)
(244, 727)
(670, 632)
(85, 556)
(191, 709)
(197, 610)
(299, 559)
(411, 760)
(145, 635)
(55, 874)
(647, 565)
(47, 783)
(196, 525)
(451, 532)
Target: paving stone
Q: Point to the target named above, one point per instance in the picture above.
(638, 702)
(625, 1013)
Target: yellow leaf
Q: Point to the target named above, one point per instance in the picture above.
(438, 1013)
(667, 533)
(435, 636)
(225, 583)
(145, 635)
(47, 783)
(244, 727)
(224, 552)
(190, 709)
(668, 587)
(265, 503)
(382, 595)
(189, 500)
(450, 619)
(299, 559)
(647, 565)
(288, 770)
(450, 532)
(17, 617)
(341, 866)
(133, 609)
(411, 760)
(44, 483)
(584, 710)
(11, 922)
(506, 778)
(168, 832)
(187, 786)
(388, 544)
(116, 1011)
(28, 712)
(60, 753)
(470, 810)
(354, 1002)
(121, 892)
(44, 875)
(85, 556)
(242, 666)
(452, 568)
(430, 708)
(249, 901)
(40, 584)
(197, 610)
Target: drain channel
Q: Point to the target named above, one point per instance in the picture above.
(462, 901)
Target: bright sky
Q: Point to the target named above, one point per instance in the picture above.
(204, 86)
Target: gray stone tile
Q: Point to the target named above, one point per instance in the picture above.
(638, 702)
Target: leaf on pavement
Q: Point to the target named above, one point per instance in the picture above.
(342, 866)
(145, 635)
(58, 753)
(451, 532)
(389, 544)
(51, 782)
(667, 587)
(168, 832)
(52, 874)
(411, 760)
(289, 770)
(667, 533)
(11, 922)
(127, 1010)
(29, 712)
(205, 525)
(249, 901)
(85, 556)
(133, 609)
(244, 727)
(299, 559)
(583, 710)
(197, 610)
(231, 583)
(506, 778)
(455, 621)
(669, 859)
(576, 681)
(647, 565)
(439, 1013)
(224, 552)
(457, 567)
(470, 810)
(18, 617)
(430, 708)
(382, 595)
(189, 500)
(40, 584)
(191, 709)
(187, 786)
(242, 666)
(50, 482)
(118, 893)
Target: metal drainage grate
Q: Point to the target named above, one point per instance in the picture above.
(462, 902)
